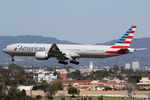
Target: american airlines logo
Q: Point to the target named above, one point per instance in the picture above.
(29, 49)
(15, 49)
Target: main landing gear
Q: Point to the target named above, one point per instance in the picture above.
(74, 62)
(71, 61)
(63, 62)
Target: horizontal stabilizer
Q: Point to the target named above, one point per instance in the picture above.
(141, 49)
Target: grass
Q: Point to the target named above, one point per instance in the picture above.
(93, 98)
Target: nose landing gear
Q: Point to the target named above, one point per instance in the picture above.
(12, 59)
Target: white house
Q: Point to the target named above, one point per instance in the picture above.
(33, 70)
(48, 76)
(25, 87)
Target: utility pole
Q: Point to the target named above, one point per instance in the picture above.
(30, 90)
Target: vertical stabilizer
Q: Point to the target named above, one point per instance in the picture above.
(126, 40)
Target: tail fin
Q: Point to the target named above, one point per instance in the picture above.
(125, 41)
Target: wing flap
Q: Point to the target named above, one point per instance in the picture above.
(56, 52)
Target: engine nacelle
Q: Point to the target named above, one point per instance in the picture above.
(41, 55)
(125, 51)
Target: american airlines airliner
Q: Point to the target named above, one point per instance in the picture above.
(64, 52)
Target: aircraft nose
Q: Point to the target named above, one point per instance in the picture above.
(5, 50)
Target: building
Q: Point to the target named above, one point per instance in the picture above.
(118, 86)
(5, 67)
(135, 65)
(145, 80)
(33, 70)
(63, 76)
(47, 76)
(91, 65)
(127, 66)
(106, 68)
(87, 70)
(111, 79)
(146, 68)
(144, 83)
(24, 88)
(61, 70)
(71, 82)
(71, 70)
(92, 85)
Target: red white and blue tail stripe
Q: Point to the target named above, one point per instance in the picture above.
(126, 40)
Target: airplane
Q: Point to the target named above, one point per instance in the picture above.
(72, 52)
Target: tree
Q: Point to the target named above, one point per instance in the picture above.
(73, 91)
(51, 91)
(38, 97)
(15, 94)
(41, 87)
(75, 75)
(58, 86)
(134, 79)
(15, 68)
(23, 93)
(122, 69)
(130, 91)
(115, 68)
(1, 88)
(1, 92)
(55, 73)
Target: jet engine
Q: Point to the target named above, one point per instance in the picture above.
(125, 51)
(41, 55)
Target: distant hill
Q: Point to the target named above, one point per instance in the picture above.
(142, 56)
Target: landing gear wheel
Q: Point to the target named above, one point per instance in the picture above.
(77, 63)
(63, 62)
(71, 61)
(74, 62)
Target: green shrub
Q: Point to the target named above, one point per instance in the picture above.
(38, 97)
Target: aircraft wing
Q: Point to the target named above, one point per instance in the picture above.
(61, 55)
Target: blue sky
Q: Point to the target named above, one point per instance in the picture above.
(82, 21)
